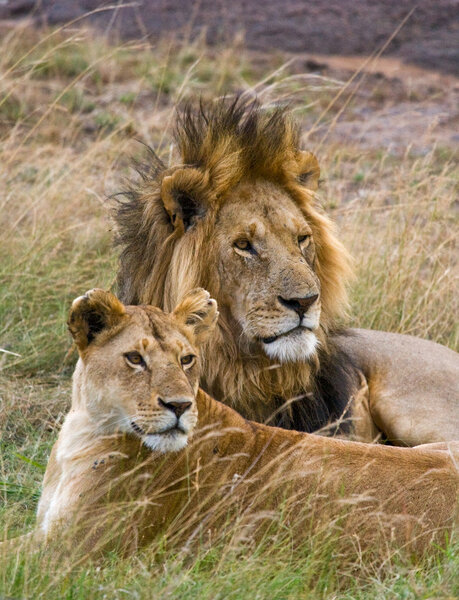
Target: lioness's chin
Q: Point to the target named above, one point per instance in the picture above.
(297, 346)
(170, 441)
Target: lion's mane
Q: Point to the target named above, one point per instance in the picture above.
(221, 144)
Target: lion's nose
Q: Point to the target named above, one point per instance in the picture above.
(299, 305)
(178, 407)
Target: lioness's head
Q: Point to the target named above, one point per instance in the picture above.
(238, 216)
(139, 367)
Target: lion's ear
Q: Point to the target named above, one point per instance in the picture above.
(184, 197)
(92, 313)
(198, 311)
(309, 170)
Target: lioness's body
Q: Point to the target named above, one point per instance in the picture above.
(239, 217)
(412, 492)
(103, 479)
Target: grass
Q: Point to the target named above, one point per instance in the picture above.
(70, 108)
(218, 574)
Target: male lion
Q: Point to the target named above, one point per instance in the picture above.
(121, 471)
(238, 216)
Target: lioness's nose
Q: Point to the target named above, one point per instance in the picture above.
(299, 305)
(178, 407)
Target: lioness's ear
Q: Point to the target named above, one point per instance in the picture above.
(92, 313)
(309, 170)
(199, 311)
(184, 197)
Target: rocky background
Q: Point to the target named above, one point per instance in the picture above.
(428, 38)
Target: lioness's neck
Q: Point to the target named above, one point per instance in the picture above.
(213, 413)
(88, 419)
(101, 413)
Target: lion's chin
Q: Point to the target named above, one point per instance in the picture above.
(169, 441)
(298, 346)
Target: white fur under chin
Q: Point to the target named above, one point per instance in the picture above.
(172, 441)
(298, 346)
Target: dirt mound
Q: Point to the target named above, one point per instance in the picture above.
(350, 27)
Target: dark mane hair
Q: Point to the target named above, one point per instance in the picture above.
(261, 140)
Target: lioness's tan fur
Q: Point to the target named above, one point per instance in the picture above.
(117, 492)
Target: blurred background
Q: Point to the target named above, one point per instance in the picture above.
(407, 53)
(429, 38)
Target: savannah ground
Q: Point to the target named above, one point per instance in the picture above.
(72, 106)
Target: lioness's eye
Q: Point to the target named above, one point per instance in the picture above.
(187, 360)
(244, 244)
(303, 238)
(134, 358)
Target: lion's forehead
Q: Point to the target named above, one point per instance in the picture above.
(259, 208)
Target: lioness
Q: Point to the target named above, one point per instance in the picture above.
(121, 469)
(239, 217)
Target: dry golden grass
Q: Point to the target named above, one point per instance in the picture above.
(70, 108)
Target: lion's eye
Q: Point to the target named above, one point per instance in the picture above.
(303, 238)
(244, 244)
(135, 358)
(187, 360)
